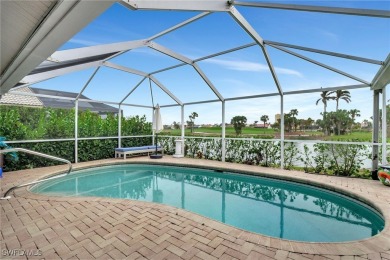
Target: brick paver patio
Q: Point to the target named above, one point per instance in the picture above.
(102, 228)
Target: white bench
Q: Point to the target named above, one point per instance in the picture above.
(123, 152)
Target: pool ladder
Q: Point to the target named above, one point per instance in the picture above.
(6, 196)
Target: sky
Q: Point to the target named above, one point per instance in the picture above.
(241, 73)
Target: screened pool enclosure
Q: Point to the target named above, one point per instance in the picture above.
(32, 56)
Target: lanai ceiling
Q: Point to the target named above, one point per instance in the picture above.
(31, 34)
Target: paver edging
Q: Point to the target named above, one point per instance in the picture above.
(344, 248)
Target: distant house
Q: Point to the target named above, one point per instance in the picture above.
(262, 125)
(11, 99)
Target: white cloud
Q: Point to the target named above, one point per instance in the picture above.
(84, 42)
(240, 65)
(329, 35)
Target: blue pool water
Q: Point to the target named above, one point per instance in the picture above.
(271, 207)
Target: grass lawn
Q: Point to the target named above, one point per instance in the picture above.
(358, 135)
(362, 136)
(217, 131)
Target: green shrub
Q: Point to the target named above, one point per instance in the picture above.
(24, 123)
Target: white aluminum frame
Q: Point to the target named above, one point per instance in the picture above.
(378, 83)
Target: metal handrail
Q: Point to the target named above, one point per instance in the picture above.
(38, 181)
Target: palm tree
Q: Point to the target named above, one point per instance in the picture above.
(293, 113)
(309, 122)
(264, 118)
(341, 94)
(353, 113)
(344, 95)
(325, 97)
(192, 120)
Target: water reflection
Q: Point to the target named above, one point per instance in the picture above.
(270, 207)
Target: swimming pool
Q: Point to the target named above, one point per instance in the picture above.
(267, 206)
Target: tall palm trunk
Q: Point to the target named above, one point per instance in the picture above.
(338, 122)
(323, 118)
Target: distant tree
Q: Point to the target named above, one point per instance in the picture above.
(176, 125)
(339, 121)
(325, 97)
(288, 122)
(353, 113)
(299, 123)
(192, 120)
(275, 125)
(341, 94)
(239, 122)
(293, 113)
(264, 118)
(367, 124)
(309, 122)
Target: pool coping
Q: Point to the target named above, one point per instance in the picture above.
(375, 244)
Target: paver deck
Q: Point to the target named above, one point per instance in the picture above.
(102, 228)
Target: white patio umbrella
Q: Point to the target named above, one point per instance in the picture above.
(157, 122)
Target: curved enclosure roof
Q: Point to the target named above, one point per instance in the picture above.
(182, 59)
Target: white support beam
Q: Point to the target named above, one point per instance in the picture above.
(246, 26)
(253, 96)
(184, 59)
(125, 69)
(223, 132)
(87, 83)
(66, 19)
(207, 81)
(119, 126)
(182, 130)
(115, 55)
(24, 85)
(172, 105)
(38, 77)
(320, 9)
(75, 55)
(160, 85)
(206, 57)
(80, 99)
(131, 91)
(151, 93)
(272, 69)
(202, 102)
(177, 26)
(153, 130)
(76, 131)
(334, 54)
(281, 132)
(39, 95)
(108, 102)
(305, 91)
(169, 52)
(314, 90)
(180, 5)
(226, 51)
(375, 135)
(135, 105)
(85, 52)
(384, 127)
(141, 73)
(320, 64)
(382, 77)
(252, 33)
(168, 68)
